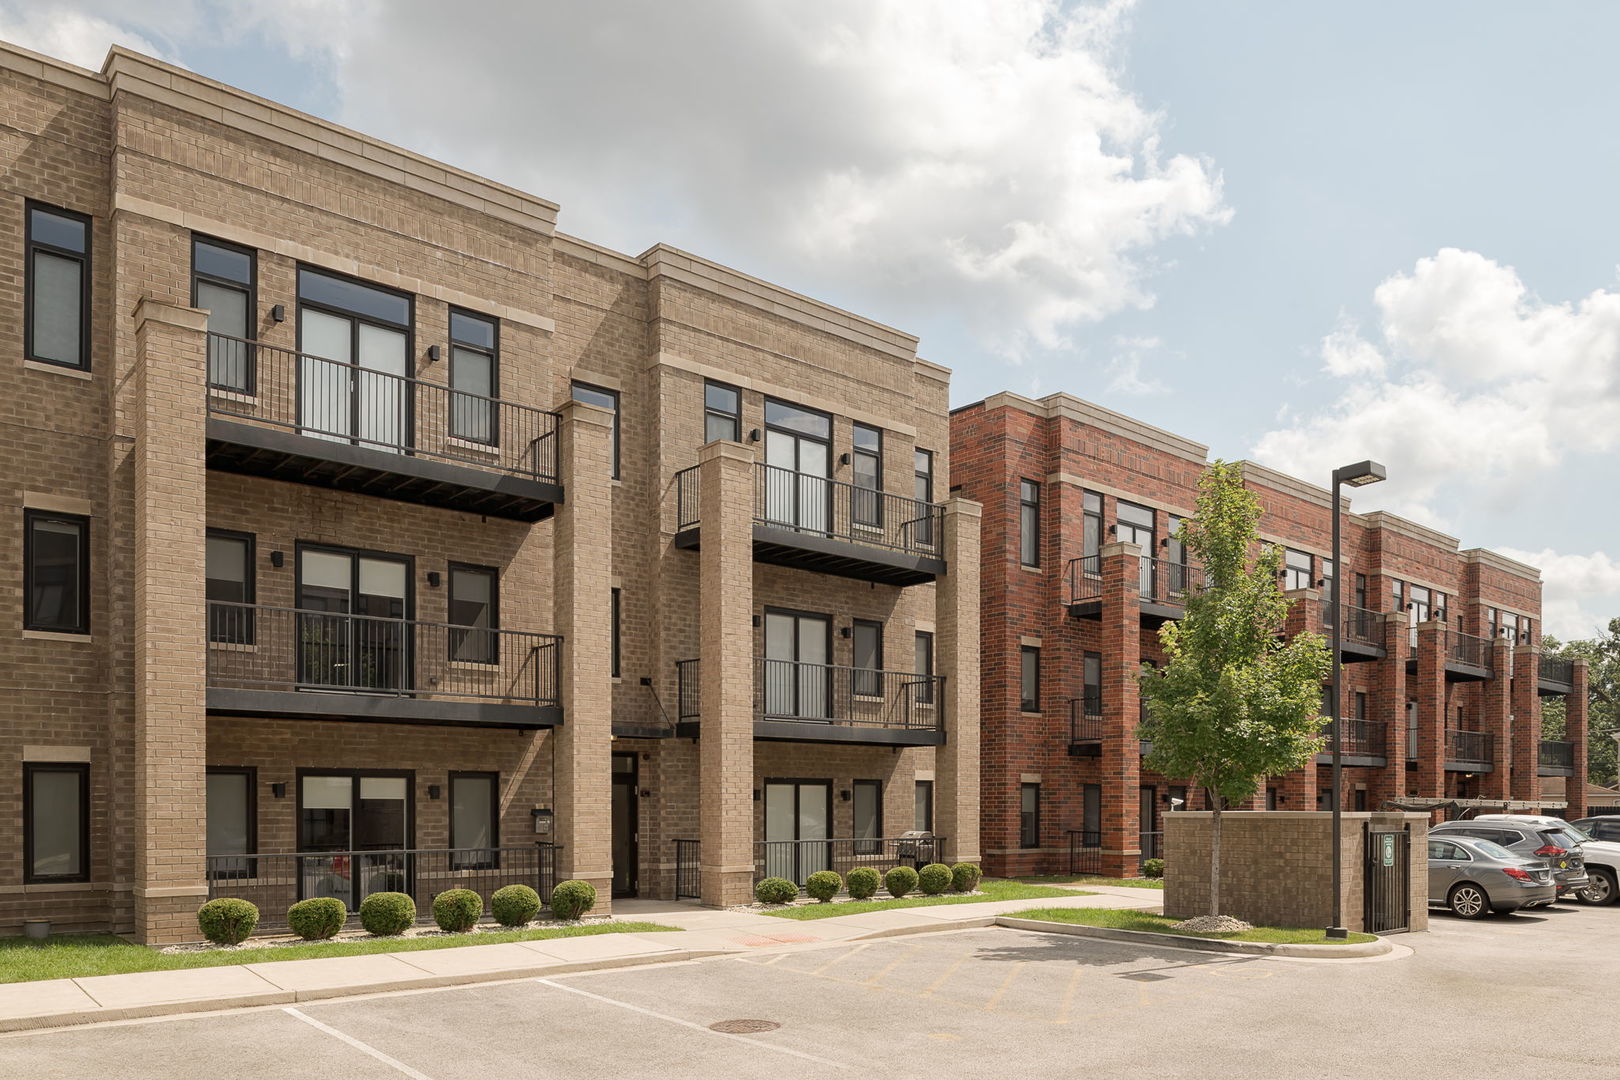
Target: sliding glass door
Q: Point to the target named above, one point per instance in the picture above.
(352, 633)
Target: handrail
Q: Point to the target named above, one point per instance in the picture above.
(1555, 669)
(1085, 719)
(791, 690)
(1162, 581)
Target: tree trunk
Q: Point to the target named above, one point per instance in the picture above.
(1215, 855)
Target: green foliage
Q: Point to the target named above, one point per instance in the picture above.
(457, 910)
(900, 880)
(863, 883)
(933, 879)
(227, 921)
(823, 885)
(387, 913)
(1602, 655)
(1153, 868)
(572, 898)
(776, 890)
(965, 876)
(514, 905)
(317, 918)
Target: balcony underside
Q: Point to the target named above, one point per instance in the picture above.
(255, 450)
(821, 732)
(1350, 761)
(831, 555)
(1553, 688)
(629, 729)
(379, 709)
(1359, 652)
(1554, 770)
(1470, 766)
(1153, 614)
(1457, 671)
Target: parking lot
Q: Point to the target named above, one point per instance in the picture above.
(1504, 996)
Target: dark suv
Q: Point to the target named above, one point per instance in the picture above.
(1560, 851)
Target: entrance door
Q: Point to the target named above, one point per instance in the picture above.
(351, 629)
(364, 819)
(1135, 526)
(798, 460)
(1422, 609)
(797, 814)
(1148, 822)
(351, 384)
(626, 824)
(797, 678)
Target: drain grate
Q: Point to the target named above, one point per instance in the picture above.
(1143, 976)
(743, 1027)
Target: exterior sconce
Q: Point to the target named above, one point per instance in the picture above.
(278, 313)
(1113, 530)
(278, 789)
(543, 818)
(756, 794)
(843, 459)
(277, 559)
(433, 354)
(433, 791)
(843, 631)
(843, 795)
(753, 434)
(1164, 542)
(433, 579)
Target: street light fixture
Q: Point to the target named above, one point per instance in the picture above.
(1358, 475)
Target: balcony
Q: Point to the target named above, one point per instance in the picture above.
(799, 702)
(1085, 726)
(829, 527)
(1361, 742)
(321, 665)
(1361, 635)
(1467, 658)
(1556, 758)
(1555, 675)
(1468, 751)
(309, 420)
(1162, 585)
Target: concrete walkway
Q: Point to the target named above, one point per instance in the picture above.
(706, 932)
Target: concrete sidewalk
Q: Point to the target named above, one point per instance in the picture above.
(706, 932)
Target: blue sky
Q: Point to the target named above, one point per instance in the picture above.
(1305, 233)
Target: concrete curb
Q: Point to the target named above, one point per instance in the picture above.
(1356, 951)
(931, 928)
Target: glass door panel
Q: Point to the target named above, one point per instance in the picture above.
(796, 812)
(781, 824)
(324, 375)
(324, 602)
(781, 478)
(781, 650)
(796, 672)
(380, 825)
(814, 698)
(797, 491)
(352, 629)
(380, 644)
(324, 818)
(815, 813)
(382, 418)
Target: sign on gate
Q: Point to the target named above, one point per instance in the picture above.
(1389, 849)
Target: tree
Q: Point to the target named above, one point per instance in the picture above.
(1235, 702)
(1602, 654)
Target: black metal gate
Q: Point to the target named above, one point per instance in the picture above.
(1386, 870)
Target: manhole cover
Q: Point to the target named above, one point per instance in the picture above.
(1143, 976)
(743, 1027)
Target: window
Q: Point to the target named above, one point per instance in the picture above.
(1296, 569)
(923, 468)
(867, 637)
(609, 400)
(1361, 705)
(868, 797)
(925, 667)
(722, 413)
(1327, 701)
(56, 817)
(56, 561)
(229, 586)
(474, 823)
(1029, 523)
(1327, 575)
(57, 320)
(1271, 798)
(1029, 678)
(231, 820)
(475, 377)
(923, 818)
(353, 375)
(1029, 815)
(474, 603)
(615, 640)
(1091, 664)
(1091, 815)
(867, 477)
(1091, 527)
(223, 282)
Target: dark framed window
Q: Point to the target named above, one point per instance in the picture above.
(475, 377)
(1029, 523)
(868, 811)
(56, 822)
(1327, 701)
(1361, 705)
(224, 280)
(1091, 815)
(474, 604)
(56, 572)
(867, 476)
(1029, 815)
(925, 666)
(1091, 525)
(615, 638)
(232, 821)
(923, 472)
(1296, 569)
(56, 321)
(229, 586)
(609, 400)
(1398, 592)
(722, 413)
(1029, 678)
(1091, 663)
(475, 827)
(867, 657)
(922, 819)
(356, 342)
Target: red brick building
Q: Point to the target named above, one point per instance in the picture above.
(1081, 565)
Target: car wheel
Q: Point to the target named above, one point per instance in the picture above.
(1601, 890)
(1468, 901)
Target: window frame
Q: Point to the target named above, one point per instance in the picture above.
(493, 353)
(618, 402)
(1028, 674)
(460, 632)
(1029, 832)
(874, 501)
(615, 633)
(250, 287)
(83, 258)
(735, 418)
(867, 845)
(30, 621)
(1295, 576)
(1029, 522)
(925, 790)
(250, 588)
(872, 683)
(30, 768)
(249, 858)
(926, 691)
(494, 778)
(1091, 526)
(1091, 693)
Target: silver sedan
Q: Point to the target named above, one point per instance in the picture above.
(1471, 877)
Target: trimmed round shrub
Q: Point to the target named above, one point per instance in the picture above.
(863, 883)
(900, 880)
(776, 890)
(965, 876)
(514, 905)
(457, 910)
(933, 879)
(571, 899)
(1153, 868)
(823, 885)
(317, 918)
(387, 913)
(227, 921)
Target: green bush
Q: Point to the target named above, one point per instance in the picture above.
(457, 910)
(227, 921)
(571, 899)
(1153, 868)
(514, 905)
(933, 879)
(900, 880)
(965, 876)
(823, 885)
(776, 890)
(863, 883)
(317, 918)
(387, 913)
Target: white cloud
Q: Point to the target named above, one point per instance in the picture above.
(1125, 369)
(1344, 353)
(1580, 592)
(69, 33)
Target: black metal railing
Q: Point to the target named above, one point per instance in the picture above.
(1152, 844)
(1556, 669)
(1557, 754)
(274, 881)
(1473, 747)
(688, 689)
(1085, 851)
(1467, 649)
(862, 697)
(260, 647)
(687, 880)
(349, 403)
(1362, 626)
(1159, 581)
(796, 860)
(1361, 738)
(688, 499)
(1085, 719)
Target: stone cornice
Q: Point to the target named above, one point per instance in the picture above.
(1072, 408)
(1290, 485)
(1383, 519)
(1486, 557)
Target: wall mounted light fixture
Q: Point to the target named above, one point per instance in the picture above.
(434, 790)
(278, 789)
(278, 313)
(277, 559)
(433, 354)
(433, 579)
(753, 434)
(843, 459)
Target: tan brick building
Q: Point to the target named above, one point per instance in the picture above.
(352, 510)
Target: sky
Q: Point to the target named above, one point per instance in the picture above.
(1306, 234)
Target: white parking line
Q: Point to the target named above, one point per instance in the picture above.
(358, 1045)
(695, 1027)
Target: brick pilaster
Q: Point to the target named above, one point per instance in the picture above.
(1122, 663)
(1575, 730)
(1495, 705)
(1428, 688)
(1389, 708)
(956, 603)
(1525, 727)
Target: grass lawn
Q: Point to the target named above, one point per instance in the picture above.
(1091, 879)
(70, 956)
(1120, 919)
(993, 889)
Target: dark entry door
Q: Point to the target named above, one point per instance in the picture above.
(626, 825)
(1386, 903)
(364, 820)
(351, 620)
